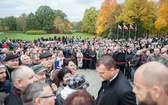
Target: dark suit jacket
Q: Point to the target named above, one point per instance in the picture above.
(117, 92)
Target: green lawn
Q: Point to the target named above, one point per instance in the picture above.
(31, 37)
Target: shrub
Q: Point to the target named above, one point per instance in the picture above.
(78, 31)
(32, 32)
(68, 32)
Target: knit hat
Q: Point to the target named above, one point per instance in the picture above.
(77, 81)
(62, 72)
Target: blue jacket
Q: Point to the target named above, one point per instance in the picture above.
(6, 87)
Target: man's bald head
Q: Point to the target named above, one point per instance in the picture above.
(154, 73)
(22, 76)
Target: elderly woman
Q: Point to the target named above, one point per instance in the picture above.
(25, 60)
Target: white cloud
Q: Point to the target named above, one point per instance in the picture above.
(73, 8)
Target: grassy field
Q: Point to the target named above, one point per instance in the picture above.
(31, 37)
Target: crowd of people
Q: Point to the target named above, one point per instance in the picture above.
(29, 76)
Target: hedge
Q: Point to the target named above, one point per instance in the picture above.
(32, 32)
(68, 32)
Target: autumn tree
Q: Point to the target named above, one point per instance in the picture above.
(162, 21)
(61, 25)
(89, 20)
(141, 13)
(111, 22)
(101, 23)
(112, 18)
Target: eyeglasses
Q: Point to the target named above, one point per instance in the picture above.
(53, 95)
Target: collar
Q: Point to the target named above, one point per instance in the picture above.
(9, 69)
(114, 76)
(16, 91)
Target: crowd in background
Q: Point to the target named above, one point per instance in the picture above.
(72, 53)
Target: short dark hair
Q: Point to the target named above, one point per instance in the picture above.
(80, 97)
(107, 61)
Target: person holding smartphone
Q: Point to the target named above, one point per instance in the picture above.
(60, 57)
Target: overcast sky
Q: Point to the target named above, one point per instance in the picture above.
(73, 8)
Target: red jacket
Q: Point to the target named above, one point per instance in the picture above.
(4, 45)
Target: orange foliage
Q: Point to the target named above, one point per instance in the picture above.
(162, 21)
(106, 7)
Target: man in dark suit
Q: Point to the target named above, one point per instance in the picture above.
(115, 89)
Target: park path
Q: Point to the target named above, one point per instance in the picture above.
(94, 80)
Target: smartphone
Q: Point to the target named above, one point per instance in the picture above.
(56, 65)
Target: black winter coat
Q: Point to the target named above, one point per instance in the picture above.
(14, 98)
(136, 61)
(117, 92)
(59, 100)
(128, 57)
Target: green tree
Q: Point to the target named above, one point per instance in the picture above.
(1, 19)
(10, 22)
(2, 25)
(89, 20)
(45, 18)
(60, 13)
(21, 22)
(31, 22)
(76, 25)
